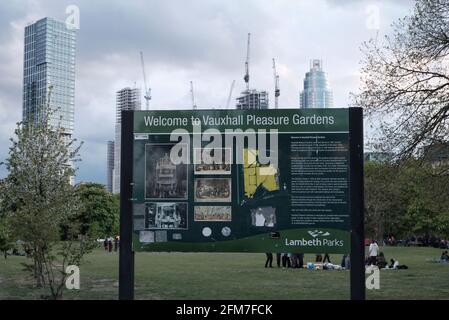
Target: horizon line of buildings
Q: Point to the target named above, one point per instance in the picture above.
(316, 94)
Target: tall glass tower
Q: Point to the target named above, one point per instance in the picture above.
(316, 93)
(49, 62)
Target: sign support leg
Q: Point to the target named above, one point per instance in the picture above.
(126, 254)
(357, 204)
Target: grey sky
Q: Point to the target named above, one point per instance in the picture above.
(199, 40)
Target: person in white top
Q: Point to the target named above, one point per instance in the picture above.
(260, 219)
(373, 251)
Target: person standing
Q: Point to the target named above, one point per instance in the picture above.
(116, 243)
(326, 258)
(301, 260)
(105, 244)
(269, 261)
(110, 244)
(373, 252)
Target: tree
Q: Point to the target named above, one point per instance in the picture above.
(38, 199)
(405, 81)
(5, 239)
(405, 200)
(384, 202)
(100, 214)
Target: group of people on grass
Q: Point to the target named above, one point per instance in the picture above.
(296, 260)
(377, 258)
(110, 242)
(422, 241)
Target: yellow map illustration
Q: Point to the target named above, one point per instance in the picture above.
(255, 174)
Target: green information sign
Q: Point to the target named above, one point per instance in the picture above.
(241, 180)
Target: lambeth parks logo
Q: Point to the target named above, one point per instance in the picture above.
(317, 233)
(319, 239)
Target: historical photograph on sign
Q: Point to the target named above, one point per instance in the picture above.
(263, 217)
(213, 213)
(212, 160)
(213, 189)
(165, 215)
(163, 178)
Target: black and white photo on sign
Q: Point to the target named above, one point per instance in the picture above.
(213, 189)
(165, 178)
(165, 215)
(212, 160)
(213, 213)
(263, 217)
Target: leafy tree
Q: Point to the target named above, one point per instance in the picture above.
(38, 199)
(405, 200)
(383, 200)
(100, 213)
(405, 81)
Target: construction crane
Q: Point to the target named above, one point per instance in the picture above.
(277, 91)
(147, 92)
(230, 94)
(192, 95)
(246, 77)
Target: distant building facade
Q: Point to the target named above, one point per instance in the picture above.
(110, 166)
(126, 99)
(252, 99)
(316, 92)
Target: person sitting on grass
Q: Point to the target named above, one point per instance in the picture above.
(444, 257)
(394, 264)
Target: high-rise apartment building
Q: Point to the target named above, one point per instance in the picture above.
(49, 62)
(252, 99)
(110, 166)
(126, 99)
(316, 93)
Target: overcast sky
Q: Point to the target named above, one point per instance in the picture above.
(199, 40)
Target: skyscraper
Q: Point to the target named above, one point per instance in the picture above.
(110, 166)
(316, 93)
(252, 99)
(126, 99)
(49, 62)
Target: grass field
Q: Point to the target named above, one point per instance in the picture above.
(235, 276)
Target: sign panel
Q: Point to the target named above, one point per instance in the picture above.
(241, 180)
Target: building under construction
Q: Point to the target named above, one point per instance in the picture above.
(126, 99)
(252, 99)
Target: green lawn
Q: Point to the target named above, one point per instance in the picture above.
(235, 276)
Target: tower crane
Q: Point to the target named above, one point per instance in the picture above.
(277, 91)
(147, 92)
(192, 96)
(230, 94)
(246, 77)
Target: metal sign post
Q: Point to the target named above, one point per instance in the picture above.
(126, 254)
(356, 197)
